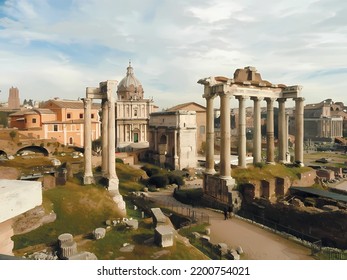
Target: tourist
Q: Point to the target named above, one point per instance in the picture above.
(225, 211)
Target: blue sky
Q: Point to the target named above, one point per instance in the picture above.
(54, 48)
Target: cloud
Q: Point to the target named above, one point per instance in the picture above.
(69, 45)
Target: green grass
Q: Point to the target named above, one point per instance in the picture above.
(337, 159)
(266, 172)
(79, 209)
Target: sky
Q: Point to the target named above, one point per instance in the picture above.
(52, 48)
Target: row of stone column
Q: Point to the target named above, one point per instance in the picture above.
(270, 143)
(108, 165)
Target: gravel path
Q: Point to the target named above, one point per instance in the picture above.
(256, 242)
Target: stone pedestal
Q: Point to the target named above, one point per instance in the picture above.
(64, 238)
(164, 236)
(68, 249)
(99, 233)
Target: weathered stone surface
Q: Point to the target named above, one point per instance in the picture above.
(164, 236)
(159, 254)
(99, 233)
(64, 237)
(233, 255)
(330, 208)
(127, 249)
(298, 203)
(133, 224)
(205, 238)
(239, 250)
(17, 197)
(158, 216)
(208, 231)
(83, 256)
(68, 249)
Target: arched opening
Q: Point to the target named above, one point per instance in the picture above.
(3, 154)
(32, 149)
(70, 141)
(163, 139)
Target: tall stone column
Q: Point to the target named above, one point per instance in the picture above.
(104, 138)
(257, 130)
(281, 129)
(113, 179)
(209, 168)
(270, 135)
(299, 130)
(176, 164)
(113, 182)
(286, 137)
(225, 170)
(242, 152)
(88, 171)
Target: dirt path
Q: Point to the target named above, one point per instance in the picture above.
(257, 243)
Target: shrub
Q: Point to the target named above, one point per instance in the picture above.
(150, 170)
(191, 196)
(175, 179)
(159, 181)
(119, 160)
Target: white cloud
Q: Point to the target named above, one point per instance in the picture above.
(54, 48)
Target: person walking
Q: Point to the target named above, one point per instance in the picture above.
(225, 211)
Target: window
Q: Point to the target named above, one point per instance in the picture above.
(68, 115)
(92, 116)
(55, 127)
(202, 129)
(135, 112)
(81, 116)
(34, 120)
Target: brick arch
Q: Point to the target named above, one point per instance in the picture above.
(36, 149)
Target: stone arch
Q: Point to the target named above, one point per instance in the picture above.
(3, 153)
(163, 139)
(35, 149)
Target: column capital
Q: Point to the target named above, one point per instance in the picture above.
(208, 94)
(299, 99)
(86, 101)
(270, 99)
(225, 94)
(241, 97)
(281, 100)
(257, 98)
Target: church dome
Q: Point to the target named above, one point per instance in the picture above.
(130, 87)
